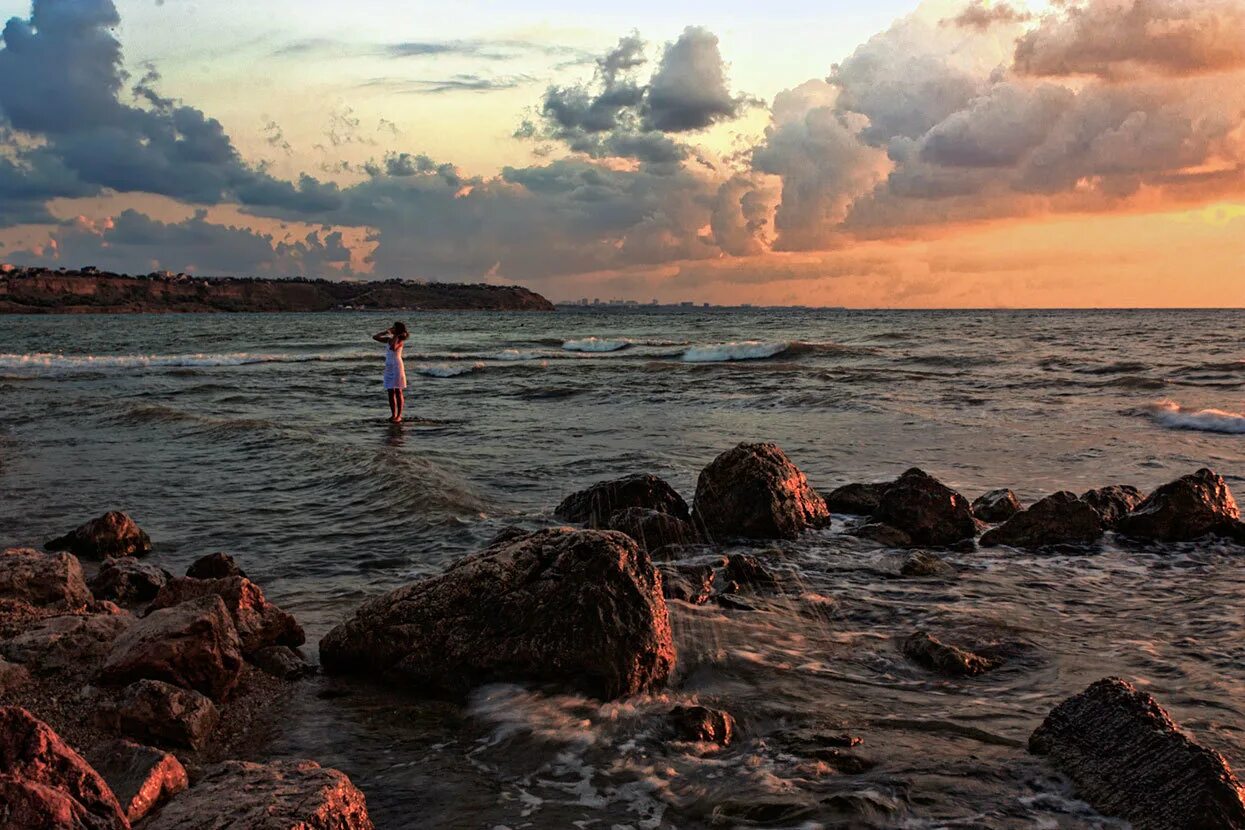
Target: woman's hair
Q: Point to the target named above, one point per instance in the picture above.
(400, 332)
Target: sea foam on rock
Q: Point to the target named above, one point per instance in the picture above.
(579, 609)
(1128, 758)
(1058, 519)
(1183, 510)
(595, 505)
(754, 491)
(927, 510)
(113, 534)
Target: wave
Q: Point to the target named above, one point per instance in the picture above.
(1173, 415)
(448, 371)
(47, 360)
(1121, 368)
(596, 344)
(743, 350)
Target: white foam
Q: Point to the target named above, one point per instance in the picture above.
(742, 350)
(449, 371)
(1173, 415)
(46, 360)
(595, 344)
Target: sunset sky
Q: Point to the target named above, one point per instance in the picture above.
(954, 153)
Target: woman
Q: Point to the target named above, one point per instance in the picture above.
(395, 372)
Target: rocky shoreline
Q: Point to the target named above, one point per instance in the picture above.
(167, 678)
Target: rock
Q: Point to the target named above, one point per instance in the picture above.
(141, 777)
(688, 583)
(1128, 758)
(755, 492)
(284, 795)
(856, 499)
(13, 677)
(1183, 510)
(578, 609)
(34, 760)
(156, 712)
(282, 661)
(748, 572)
(69, 645)
(922, 564)
(193, 645)
(111, 535)
(128, 581)
(652, 530)
(996, 506)
(927, 510)
(1058, 519)
(258, 621)
(944, 658)
(1113, 503)
(595, 505)
(214, 566)
(43, 580)
(882, 534)
(25, 805)
(702, 724)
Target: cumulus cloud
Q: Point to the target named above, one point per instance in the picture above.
(983, 14)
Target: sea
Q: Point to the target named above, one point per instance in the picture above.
(267, 436)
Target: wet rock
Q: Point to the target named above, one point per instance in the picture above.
(996, 506)
(771, 810)
(128, 581)
(1113, 503)
(41, 771)
(595, 505)
(111, 535)
(944, 658)
(155, 712)
(651, 529)
(925, 564)
(1058, 519)
(856, 499)
(1128, 758)
(25, 805)
(193, 645)
(69, 645)
(927, 510)
(141, 777)
(755, 492)
(507, 535)
(702, 724)
(747, 571)
(688, 583)
(578, 609)
(282, 661)
(1183, 510)
(214, 566)
(284, 795)
(258, 621)
(726, 598)
(13, 677)
(882, 534)
(43, 580)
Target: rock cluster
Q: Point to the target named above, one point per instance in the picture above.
(1059, 519)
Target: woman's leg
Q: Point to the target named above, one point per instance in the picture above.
(393, 403)
(400, 402)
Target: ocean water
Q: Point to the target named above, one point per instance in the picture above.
(266, 436)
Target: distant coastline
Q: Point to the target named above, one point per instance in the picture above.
(91, 291)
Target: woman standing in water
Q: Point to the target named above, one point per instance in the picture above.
(395, 372)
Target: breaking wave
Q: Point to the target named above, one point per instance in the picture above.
(1173, 415)
(448, 371)
(596, 344)
(47, 360)
(744, 350)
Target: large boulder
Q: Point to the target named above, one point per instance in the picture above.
(578, 609)
(1183, 510)
(193, 645)
(1128, 758)
(284, 795)
(41, 771)
(996, 506)
(259, 622)
(754, 491)
(856, 499)
(1058, 519)
(70, 645)
(927, 510)
(141, 777)
(160, 713)
(43, 580)
(1113, 503)
(214, 566)
(595, 505)
(111, 535)
(652, 530)
(128, 581)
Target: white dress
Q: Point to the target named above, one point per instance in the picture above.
(395, 372)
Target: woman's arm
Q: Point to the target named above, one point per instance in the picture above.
(384, 337)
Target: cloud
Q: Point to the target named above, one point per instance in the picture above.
(689, 90)
(983, 14)
(455, 83)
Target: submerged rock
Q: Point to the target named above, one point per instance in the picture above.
(258, 621)
(284, 795)
(1058, 519)
(692, 584)
(160, 713)
(69, 645)
(214, 566)
(922, 564)
(856, 499)
(596, 504)
(1128, 758)
(702, 724)
(944, 658)
(1183, 510)
(754, 491)
(281, 661)
(927, 510)
(882, 534)
(41, 777)
(193, 645)
(111, 535)
(1113, 503)
(128, 581)
(996, 506)
(651, 529)
(746, 571)
(579, 609)
(141, 777)
(43, 580)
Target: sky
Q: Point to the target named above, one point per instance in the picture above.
(952, 153)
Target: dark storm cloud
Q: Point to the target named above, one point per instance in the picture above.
(689, 91)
